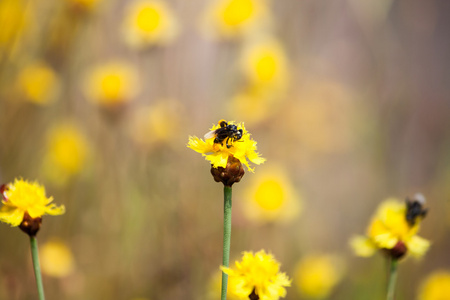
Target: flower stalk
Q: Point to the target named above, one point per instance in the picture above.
(227, 192)
(392, 278)
(37, 267)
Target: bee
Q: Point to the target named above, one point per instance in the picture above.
(227, 133)
(414, 208)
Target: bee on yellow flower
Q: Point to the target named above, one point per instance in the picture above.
(394, 229)
(149, 22)
(23, 200)
(257, 276)
(38, 83)
(316, 275)
(111, 84)
(271, 197)
(224, 140)
(436, 286)
(235, 18)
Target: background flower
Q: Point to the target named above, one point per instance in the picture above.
(316, 275)
(271, 197)
(56, 259)
(149, 23)
(436, 286)
(388, 227)
(111, 84)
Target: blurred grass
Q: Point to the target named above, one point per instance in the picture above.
(365, 115)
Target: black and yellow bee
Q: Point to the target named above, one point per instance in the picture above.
(227, 133)
(415, 209)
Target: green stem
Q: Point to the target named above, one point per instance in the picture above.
(226, 238)
(392, 279)
(37, 267)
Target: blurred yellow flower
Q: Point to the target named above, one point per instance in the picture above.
(235, 18)
(56, 259)
(67, 151)
(149, 23)
(22, 197)
(38, 83)
(257, 274)
(390, 230)
(316, 275)
(14, 18)
(264, 63)
(159, 122)
(271, 197)
(436, 286)
(111, 84)
(218, 153)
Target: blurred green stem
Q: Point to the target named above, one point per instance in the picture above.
(37, 267)
(392, 279)
(226, 238)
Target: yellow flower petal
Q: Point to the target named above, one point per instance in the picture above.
(417, 246)
(363, 246)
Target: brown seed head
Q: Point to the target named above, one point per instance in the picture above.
(232, 173)
(398, 251)
(30, 225)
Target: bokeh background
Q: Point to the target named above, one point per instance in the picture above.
(348, 100)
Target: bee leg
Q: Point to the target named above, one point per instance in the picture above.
(228, 145)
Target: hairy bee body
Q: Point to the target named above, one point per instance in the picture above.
(227, 133)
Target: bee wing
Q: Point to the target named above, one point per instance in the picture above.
(210, 134)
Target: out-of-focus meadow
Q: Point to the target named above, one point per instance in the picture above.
(348, 100)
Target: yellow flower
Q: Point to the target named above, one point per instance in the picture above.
(149, 23)
(67, 152)
(111, 84)
(390, 229)
(218, 153)
(56, 259)
(259, 274)
(317, 275)
(235, 18)
(264, 63)
(436, 286)
(23, 197)
(271, 197)
(38, 83)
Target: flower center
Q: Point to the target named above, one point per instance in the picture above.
(270, 195)
(148, 19)
(266, 67)
(111, 86)
(237, 12)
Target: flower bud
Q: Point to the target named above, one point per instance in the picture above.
(232, 173)
(30, 225)
(398, 251)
